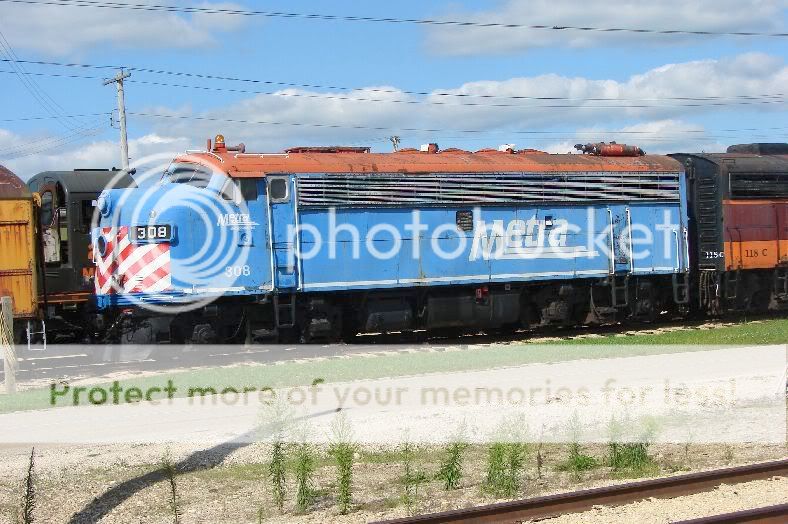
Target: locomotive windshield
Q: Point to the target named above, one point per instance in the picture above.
(185, 173)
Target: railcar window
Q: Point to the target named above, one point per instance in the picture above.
(62, 224)
(759, 185)
(86, 215)
(46, 208)
(191, 174)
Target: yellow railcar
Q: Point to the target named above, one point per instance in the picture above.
(18, 247)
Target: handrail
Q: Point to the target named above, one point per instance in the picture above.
(631, 249)
(269, 213)
(612, 264)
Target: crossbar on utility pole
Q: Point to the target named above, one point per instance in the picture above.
(124, 140)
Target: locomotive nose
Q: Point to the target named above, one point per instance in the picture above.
(131, 248)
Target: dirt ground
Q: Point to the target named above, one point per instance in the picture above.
(724, 499)
(117, 484)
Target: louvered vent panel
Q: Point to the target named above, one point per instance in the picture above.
(424, 190)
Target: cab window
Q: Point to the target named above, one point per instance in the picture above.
(237, 190)
(194, 175)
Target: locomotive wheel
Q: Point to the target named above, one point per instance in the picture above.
(759, 301)
(759, 295)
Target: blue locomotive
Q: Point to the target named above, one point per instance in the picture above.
(325, 243)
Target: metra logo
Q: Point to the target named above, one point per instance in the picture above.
(526, 239)
(236, 219)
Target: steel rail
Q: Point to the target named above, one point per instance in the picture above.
(777, 514)
(583, 500)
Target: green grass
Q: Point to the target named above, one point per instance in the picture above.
(482, 357)
(505, 464)
(577, 461)
(450, 471)
(631, 460)
(392, 456)
(755, 333)
(306, 465)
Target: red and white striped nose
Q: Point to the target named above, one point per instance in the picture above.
(125, 267)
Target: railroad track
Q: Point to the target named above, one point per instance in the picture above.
(767, 515)
(577, 501)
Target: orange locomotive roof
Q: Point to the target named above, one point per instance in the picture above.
(248, 165)
(11, 186)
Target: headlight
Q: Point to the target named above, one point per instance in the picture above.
(104, 204)
(101, 245)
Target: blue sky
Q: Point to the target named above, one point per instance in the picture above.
(395, 57)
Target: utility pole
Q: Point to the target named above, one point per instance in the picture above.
(124, 139)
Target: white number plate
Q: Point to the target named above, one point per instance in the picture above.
(152, 233)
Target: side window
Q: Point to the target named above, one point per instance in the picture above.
(230, 191)
(278, 189)
(249, 189)
(62, 221)
(47, 212)
(237, 189)
(50, 235)
(86, 215)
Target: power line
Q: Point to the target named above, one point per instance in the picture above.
(774, 98)
(48, 144)
(387, 20)
(29, 149)
(322, 96)
(76, 129)
(386, 139)
(44, 100)
(57, 75)
(566, 134)
(35, 144)
(375, 90)
(35, 118)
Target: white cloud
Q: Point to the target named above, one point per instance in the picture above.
(643, 96)
(102, 154)
(60, 31)
(277, 112)
(748, 74)
(654, 137)
(701, 15)
(662, 127)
